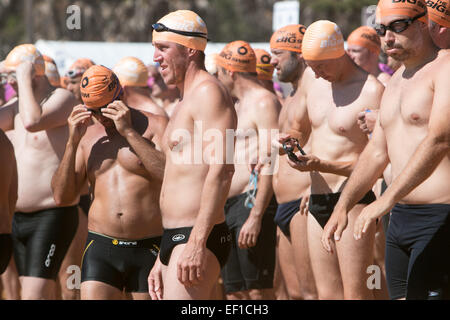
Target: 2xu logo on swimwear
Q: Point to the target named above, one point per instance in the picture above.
(50, 254)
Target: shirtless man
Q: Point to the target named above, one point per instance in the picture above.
(42, 230)
(413, 134)
(133, 76)
(439, 22)
(165, 95)
(8, 198)
(364, 46)
(249, 271)
(291, 186)
(118, 155)
(196, 240)
(335, 90)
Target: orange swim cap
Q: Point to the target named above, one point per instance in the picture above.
(182, 20)
(131, 71)
(365, 37)
(322, 41)
(26, 52)
(409, 8)
(439, 12)
(51, 71)
(99, 87)
(263, 67)
(237, 56)
(288, 38)
(79, 67)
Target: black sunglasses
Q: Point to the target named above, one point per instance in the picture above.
(159, 27)
(397, 26)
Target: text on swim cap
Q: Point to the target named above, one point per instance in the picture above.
(229, 56)
(440, 6)
(419, 3)
(331, 42)
(290, 39)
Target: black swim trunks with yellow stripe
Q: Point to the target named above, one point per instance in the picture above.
(124, 264)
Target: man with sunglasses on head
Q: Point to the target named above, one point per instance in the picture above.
(42, 229)
(199, 164)
(119, 155)
(412, 133)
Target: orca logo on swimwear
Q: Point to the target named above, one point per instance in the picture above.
(265, 59)
(242, 50)
(85, 82)
(178, 237)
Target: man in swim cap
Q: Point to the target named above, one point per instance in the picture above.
(42, 229)
(364, 46)
(196, 239)
(335, 90)
(166, 96)
(133, 77)
(74, 73)
(439, 22)
(291, 186)
(413, 134)
(249, 271)
(119, 156)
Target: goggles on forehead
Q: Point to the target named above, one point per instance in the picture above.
(159, 27)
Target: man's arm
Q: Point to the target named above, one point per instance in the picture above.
(152, 159)
(369, 167)
(265, 119)
(215, 113)
(53, 112)
(8, 183)
(7, 114)
(70, 177)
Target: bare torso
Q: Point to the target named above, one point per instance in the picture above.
(125, 197)
(38, 155)
(288, 183)
(185, 171)
(248, 137)
(404, 116)
(335, 134)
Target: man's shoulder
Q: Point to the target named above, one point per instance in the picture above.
(63, 97)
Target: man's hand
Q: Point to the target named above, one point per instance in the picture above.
(25, 70)
(367, 120)
(303, 209)
(120, 114)
(155, 283)
(249, 233)
(278, 140)
(78, 122)
(334, 228)
(369, 215)
(191, 265)
(305, 163)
